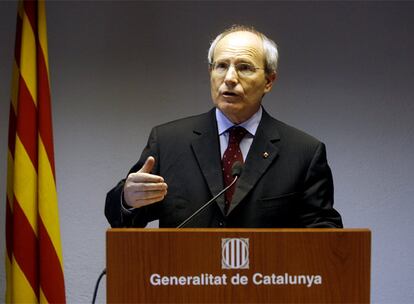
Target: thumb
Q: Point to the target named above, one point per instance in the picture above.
(148, 165)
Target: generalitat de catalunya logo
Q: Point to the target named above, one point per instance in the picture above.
(235, 253)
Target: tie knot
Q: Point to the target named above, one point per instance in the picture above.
(236, 134)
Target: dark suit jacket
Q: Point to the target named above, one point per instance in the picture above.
(291, 187)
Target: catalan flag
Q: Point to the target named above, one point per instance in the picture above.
(34, 264)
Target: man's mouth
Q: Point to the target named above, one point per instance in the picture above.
(229, 94)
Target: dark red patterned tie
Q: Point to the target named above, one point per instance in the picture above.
(231, 155)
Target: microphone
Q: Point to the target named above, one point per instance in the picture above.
(236, 171)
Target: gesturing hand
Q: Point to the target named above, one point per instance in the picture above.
(143, 188)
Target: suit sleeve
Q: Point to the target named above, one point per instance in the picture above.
(138, 217)
(316, 209)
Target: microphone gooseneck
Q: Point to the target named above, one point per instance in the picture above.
(236, 171)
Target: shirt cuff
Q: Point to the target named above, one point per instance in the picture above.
(124, 207)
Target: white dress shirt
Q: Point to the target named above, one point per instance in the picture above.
(224, 124)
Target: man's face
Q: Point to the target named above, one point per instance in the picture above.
(238, 96)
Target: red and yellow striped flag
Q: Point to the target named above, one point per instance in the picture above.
(34, 263)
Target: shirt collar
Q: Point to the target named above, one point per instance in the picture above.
(223, 123)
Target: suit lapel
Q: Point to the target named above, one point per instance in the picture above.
(206, 149)
(261, 155)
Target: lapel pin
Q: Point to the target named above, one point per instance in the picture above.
(265, 155)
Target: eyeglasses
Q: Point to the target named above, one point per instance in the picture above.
(243, 69)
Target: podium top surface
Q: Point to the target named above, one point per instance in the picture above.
(272, 230)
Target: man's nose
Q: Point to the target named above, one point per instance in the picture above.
(231, 77)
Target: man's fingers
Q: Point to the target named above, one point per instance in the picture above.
(148, 165)
(142, 198)
(143, 202)
(144, 187)
(139, 177)
(149, 195)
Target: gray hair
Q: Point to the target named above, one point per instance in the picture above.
(271, 53)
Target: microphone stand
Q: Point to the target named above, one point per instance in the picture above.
(208, 203)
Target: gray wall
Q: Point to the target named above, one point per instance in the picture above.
(346, 76)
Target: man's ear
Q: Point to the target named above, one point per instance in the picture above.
(270, 79)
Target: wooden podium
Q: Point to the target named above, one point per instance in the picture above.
(238, 265)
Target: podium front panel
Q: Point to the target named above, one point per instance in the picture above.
(238, 265)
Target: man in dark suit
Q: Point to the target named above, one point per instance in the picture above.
(285, 182)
